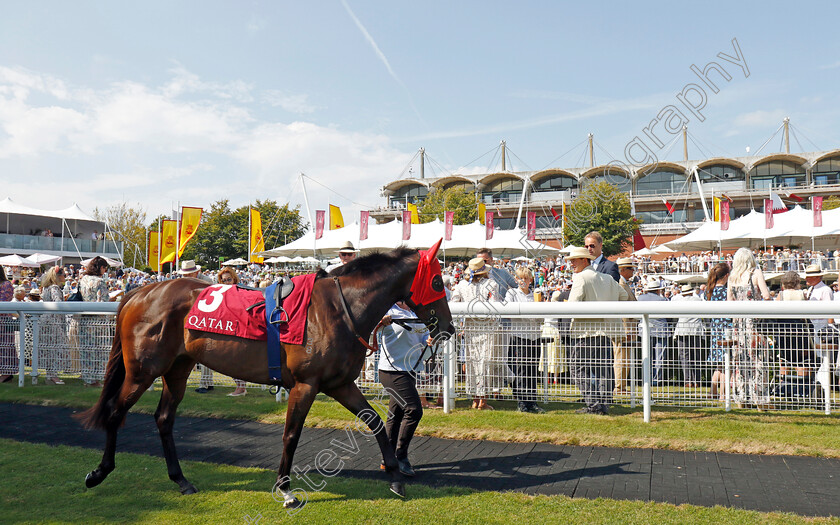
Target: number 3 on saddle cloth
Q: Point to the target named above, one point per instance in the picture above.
(244, 312)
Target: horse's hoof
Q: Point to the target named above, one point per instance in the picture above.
(93, 479)
(292, 504)
(398, 488)
(189, 488)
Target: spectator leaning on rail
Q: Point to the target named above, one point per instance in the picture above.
(592, 356)
(623, 350)
(594, 243)
(53, 329)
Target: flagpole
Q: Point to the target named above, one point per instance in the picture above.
(160, 235)
(309, 213)
(248, 256)
(178, 234)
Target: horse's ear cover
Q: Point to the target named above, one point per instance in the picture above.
(423, 289)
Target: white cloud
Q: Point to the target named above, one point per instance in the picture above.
(759, 118)
(833, 65)
(292, 103)
(185, 139)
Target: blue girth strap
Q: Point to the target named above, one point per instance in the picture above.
(272, 333)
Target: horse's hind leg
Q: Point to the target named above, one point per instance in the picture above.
(353, 400)
(300, 401)
(174, 385)
(131, 390)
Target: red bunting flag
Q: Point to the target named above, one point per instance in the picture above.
(817, 205)
(363, 225)
(488, 225)
(531, 226)
(768, 214)
(448, 221)
(319, 224)
(638, 240)
(556, 215)
(724, 215)
(669, 206)
(406, 218)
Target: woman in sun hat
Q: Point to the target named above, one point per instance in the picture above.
(481, 334)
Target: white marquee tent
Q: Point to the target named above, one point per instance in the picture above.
(794, 227)
(466, 239)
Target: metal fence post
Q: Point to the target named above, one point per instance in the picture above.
(448, 379)
(21, 348)
(35, 321)
(827, 383)
(544, 357)
(727, 378)
(646, 368)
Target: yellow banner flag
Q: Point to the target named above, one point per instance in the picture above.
(716, 208)
(190, 219)
(167, 245)
(482, 212)
(415, 217)
(256, 241)
(154, 251)
(336, 219)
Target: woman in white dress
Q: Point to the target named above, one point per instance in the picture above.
(53, 337)
(481, 334)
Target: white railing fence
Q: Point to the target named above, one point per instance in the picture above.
(760, 355)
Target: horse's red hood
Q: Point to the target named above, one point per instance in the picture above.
(427, 286)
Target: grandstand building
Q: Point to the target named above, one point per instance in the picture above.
(687, 187)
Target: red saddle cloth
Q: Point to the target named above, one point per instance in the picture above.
(223, 309)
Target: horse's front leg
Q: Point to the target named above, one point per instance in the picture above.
(353, 400)
(300, 401)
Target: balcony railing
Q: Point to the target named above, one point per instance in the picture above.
(35, 243)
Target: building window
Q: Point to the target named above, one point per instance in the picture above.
(507, 190)
(660, 217)
(555, 183)
(777, 173)
(661, 182)
(413, 193)
(826, 171)
(616, 178)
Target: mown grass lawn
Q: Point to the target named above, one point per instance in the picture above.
(709, 429)
(43, 484)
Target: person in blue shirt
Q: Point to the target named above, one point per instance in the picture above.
(404, 351)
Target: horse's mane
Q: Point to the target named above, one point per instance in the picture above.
(374, 262)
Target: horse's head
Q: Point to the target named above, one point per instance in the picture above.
(427, 296)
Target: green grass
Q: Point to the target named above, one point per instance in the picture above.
(708, 429)
(43, 484)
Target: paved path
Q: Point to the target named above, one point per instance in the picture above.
(803, 485)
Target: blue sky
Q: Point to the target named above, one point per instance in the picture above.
(160, 102)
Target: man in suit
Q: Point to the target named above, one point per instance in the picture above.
(594, 243)
(591, 362)
(658, 330)
(623, 350)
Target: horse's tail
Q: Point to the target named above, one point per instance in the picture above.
(97, 416)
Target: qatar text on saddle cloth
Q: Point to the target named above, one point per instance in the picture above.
(226, 309)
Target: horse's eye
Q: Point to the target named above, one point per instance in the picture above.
(437, 283)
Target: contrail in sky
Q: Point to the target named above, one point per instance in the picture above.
(382, 57)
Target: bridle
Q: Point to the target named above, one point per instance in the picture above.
(430, 324)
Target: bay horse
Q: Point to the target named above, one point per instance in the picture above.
(151, 342)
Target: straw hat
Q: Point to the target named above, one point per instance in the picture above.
(579, 253)
(686, 289)
(188, 266)
(478, 266)
(625, 262)
(653, 285)
(347, 247)
(814, 270)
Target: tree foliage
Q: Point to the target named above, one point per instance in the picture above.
(224, 232)
(127, 224)
(830, 203)
(457, 200)
(604, 208)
